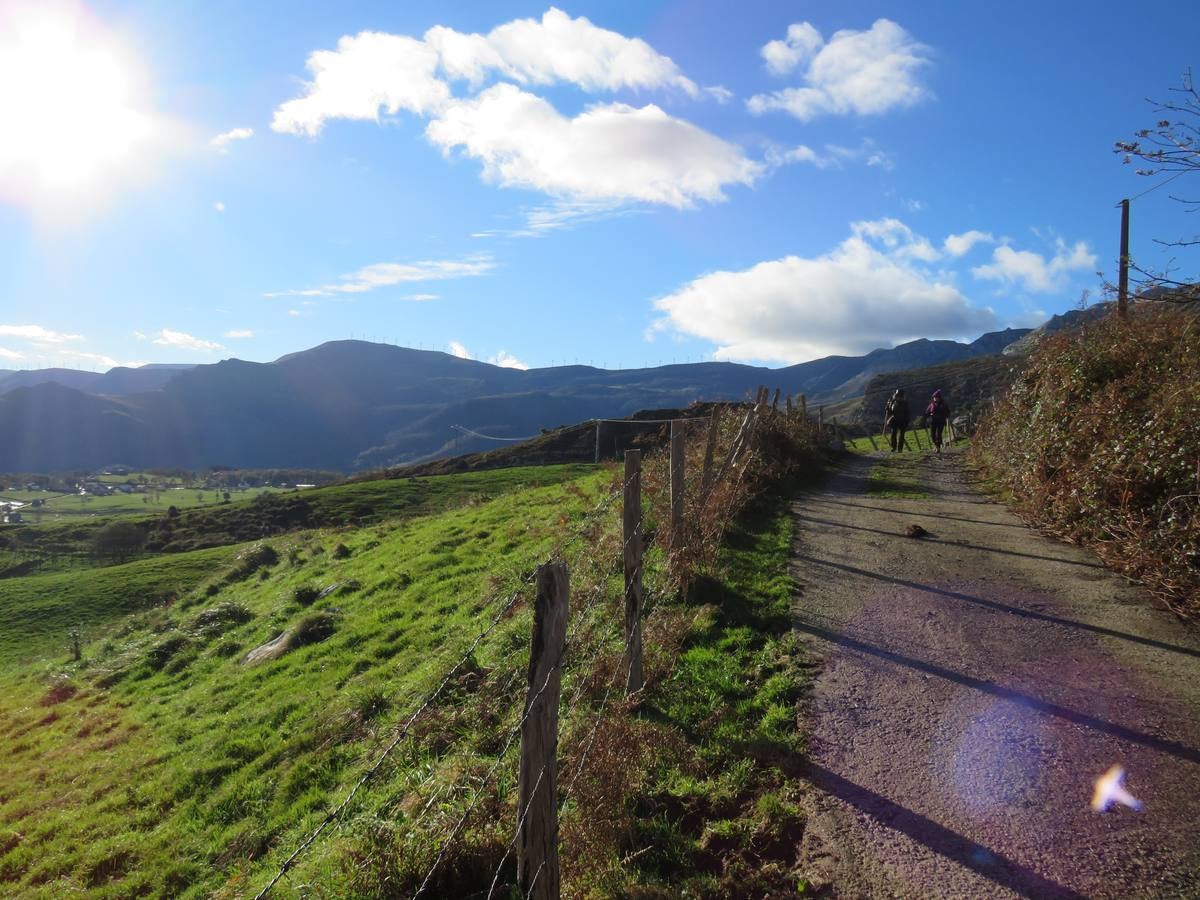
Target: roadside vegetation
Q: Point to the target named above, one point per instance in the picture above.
(250, 685)
(1099, 443)
(72, 544)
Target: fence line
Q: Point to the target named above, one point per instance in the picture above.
(558, 639)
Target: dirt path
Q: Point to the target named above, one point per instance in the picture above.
(974, 685)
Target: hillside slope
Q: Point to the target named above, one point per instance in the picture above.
(350, 405)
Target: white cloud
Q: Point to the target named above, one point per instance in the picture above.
(557, 49)
(834, 155)
(961, 244)
(169, 338)
(5, 353)
(38, 334)
(870, 291)
(379, 275)
(607, 152)
(222, 141)
(610, 152)
(219, 206)
(1035, 272)
(506, 360)
(861, 72)
(102, 359)
(898, 239)
(366, 73)
(419, 298)
(502, 358)
(239, 333)
(801, 153)
(802, 42)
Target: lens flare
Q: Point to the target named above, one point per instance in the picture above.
(68, 102)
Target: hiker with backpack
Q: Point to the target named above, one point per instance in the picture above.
(896, 416)
(938, 411)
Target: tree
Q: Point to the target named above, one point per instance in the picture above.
(118, 541)
(1170, 148)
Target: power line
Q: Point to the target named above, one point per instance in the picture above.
(1157, 186)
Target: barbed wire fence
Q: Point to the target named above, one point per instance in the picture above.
(583, 645)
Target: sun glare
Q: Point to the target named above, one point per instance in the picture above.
(67, 101)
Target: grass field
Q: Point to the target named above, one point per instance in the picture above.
(916, 439)
(65, 544)
(59, 506)
(163, 765)
(234, 763)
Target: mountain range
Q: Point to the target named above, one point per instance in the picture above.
(351, 405)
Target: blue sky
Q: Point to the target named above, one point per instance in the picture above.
(619, 184)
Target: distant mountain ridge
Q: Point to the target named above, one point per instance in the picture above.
(351, 405)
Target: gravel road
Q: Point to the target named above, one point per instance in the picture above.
(974, 685)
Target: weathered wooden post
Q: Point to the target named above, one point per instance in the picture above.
(597, 440)
(821, 422)
(676, 485)
(1123, 271)
(804, 407)
(775, 401)
(537, 780)
(710, 446)
(631, 516)
(787, 402)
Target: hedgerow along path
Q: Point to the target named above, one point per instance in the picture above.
(975, 683)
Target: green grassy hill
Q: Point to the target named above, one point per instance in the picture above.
(227, 698)
(234, 762)
(67, 544)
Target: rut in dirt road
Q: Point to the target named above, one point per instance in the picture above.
(975, 683)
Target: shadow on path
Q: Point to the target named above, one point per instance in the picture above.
(935, 540)
(1003, 607)
(1173, 748)
(886, 509)
(942, 840)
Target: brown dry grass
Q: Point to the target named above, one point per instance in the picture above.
(1099, 443)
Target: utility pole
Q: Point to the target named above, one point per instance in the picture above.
(1123, 278)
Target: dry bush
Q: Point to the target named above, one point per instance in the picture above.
(597, 829)
(1099, 441)
(778, 447)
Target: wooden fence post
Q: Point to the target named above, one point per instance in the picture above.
(804, 407)
(597, 440)
(787, 402)
(710, 446)
(775, 402)
(916, 433)
(537, 781)
(821, 421)
(631, 516)
(676, 485)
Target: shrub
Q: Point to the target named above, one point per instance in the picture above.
(226, 613)
(312, 629)
(260, 556)
(162, 652)
(341, 551)
(306, 594)
(1099, 441)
